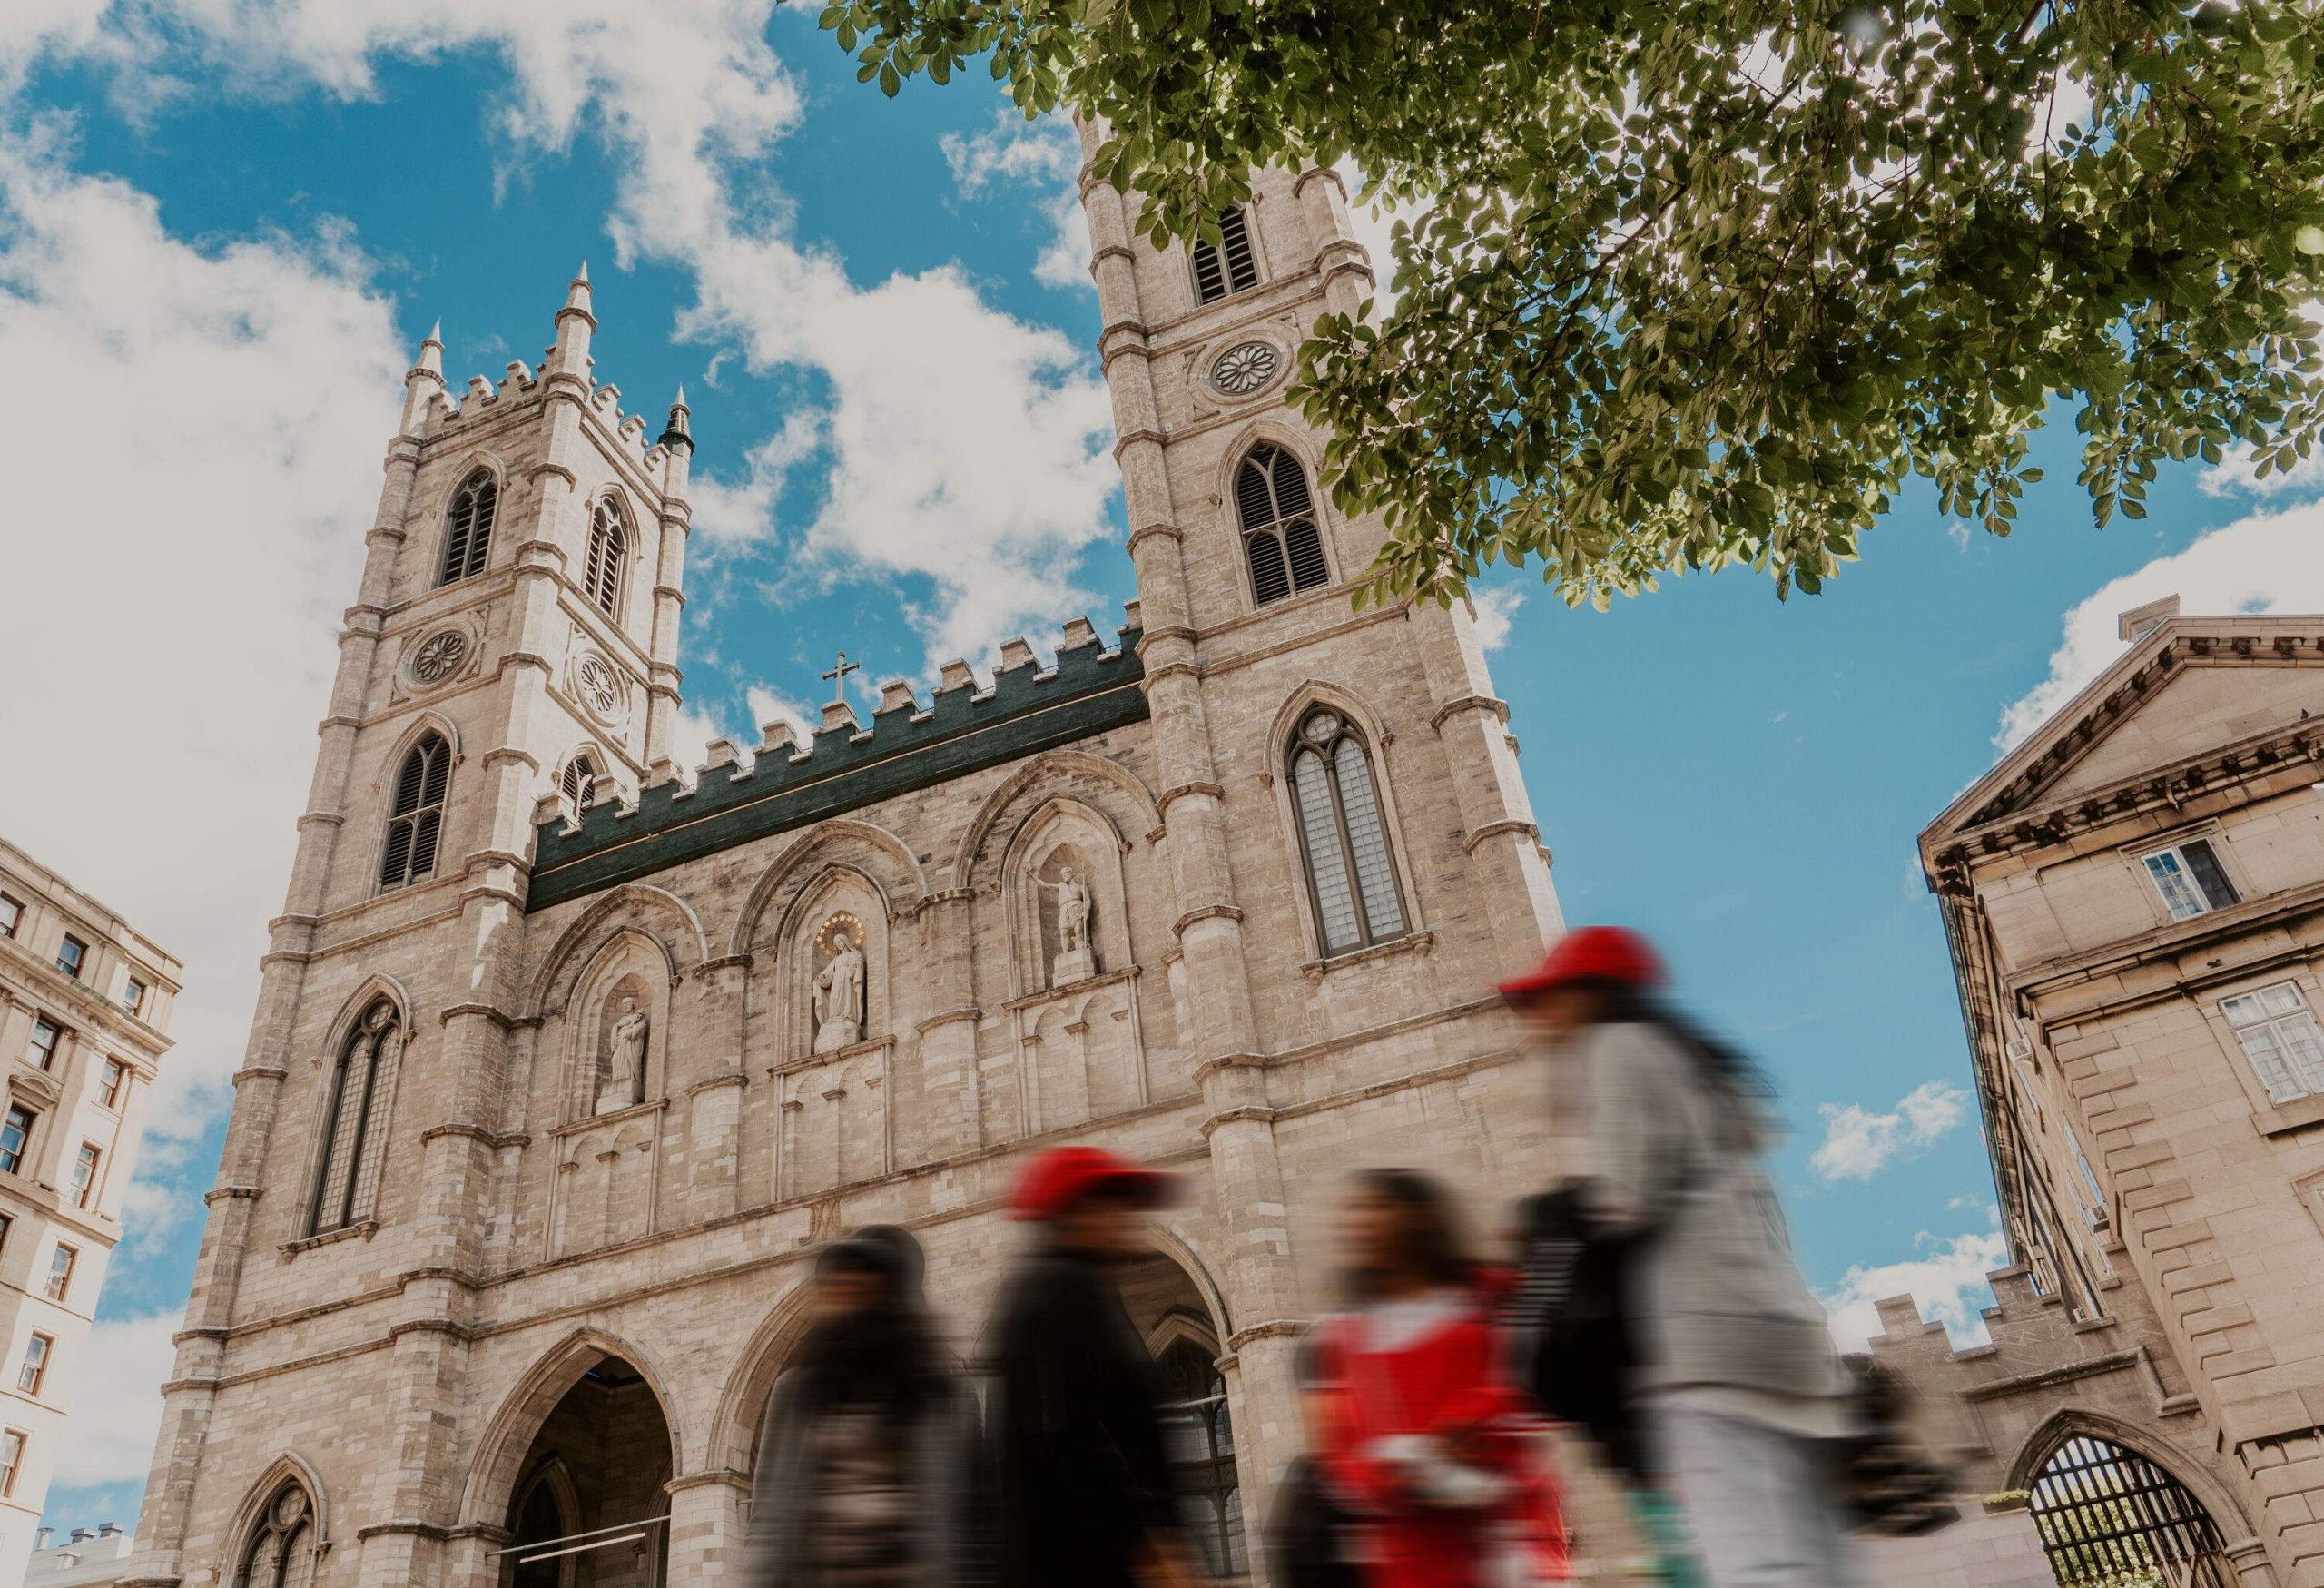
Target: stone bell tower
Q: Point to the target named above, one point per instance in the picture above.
(514, 642)
(1251, 649)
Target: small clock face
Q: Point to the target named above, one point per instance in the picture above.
(439, 656)
(1245, 367)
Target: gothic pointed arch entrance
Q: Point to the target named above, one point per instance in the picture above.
(590, 1504)
(2111, 1517)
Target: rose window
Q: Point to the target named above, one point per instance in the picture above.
(1245, 367)
(438, 656)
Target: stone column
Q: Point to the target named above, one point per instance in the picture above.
(705, 1527)
(951, 1098)
(715, 1101)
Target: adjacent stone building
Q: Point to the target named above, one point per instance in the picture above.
(2134, 899)
(563, 1066)
(84, 1002)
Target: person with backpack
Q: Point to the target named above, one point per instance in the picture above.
(1085, 1492)
(1422, 1442)
(868, 1437)
(1743, 1408)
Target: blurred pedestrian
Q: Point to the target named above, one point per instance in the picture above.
(1745, 1403)
(867, 1439)
(1423, 1437)
(1085, 1499)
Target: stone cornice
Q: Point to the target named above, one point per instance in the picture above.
(1130, 438)
(1205, 913)
(1494, 829)
(1162, 802)
(1499, 708)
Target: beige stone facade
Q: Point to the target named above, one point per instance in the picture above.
(482, 1267)
(84, 1000)
(2135, 903)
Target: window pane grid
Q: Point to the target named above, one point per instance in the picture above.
(15, 1131)
(416, 817)
(2281, 1040)
(1335, 900)
(1280, 536)
(467, 529)
(608, 545)
(2191, 879)
(354, 1149)
(1368, 842)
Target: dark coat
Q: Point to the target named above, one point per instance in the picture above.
(1083, 1477)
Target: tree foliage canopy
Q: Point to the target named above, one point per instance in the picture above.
(1700, 282)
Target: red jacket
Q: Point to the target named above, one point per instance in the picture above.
(1443, 1381)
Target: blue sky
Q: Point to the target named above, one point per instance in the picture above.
(224, 229)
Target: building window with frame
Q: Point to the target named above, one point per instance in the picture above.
(59, 1284)
(355, 1127)
(416, 817)
(578, 784)
(467, 528)
(1228, 266)
(281, 1552)
(15, 1138)
(11, 911)
(71, 955)
(40, 1053)
(85, 1164)
(6, 1224)
(1351, 868)
(35, 1363)
(2190, 879)
(2281, 1040)
(133, 997)
(112, 1083)
(608, 546)
(1283, 540)
(12, 1458)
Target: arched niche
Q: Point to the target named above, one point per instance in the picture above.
(1063, 846)
(822, 988)
(612, 1062)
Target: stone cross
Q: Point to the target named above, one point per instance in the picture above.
(838, 676)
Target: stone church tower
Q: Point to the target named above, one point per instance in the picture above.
(563, 1068)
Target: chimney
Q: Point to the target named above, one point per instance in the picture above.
(108, 1530)
(2140, 621)
(81, 1535)
(41, 1542)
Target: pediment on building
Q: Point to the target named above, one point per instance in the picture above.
(2193, 690)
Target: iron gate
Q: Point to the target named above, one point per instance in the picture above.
(2111, 1518)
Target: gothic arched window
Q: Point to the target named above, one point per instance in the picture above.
(467, 528)
(355, 1131)
(1229, 265)
(1350, 870)
(579, 784)
(1200, 1437)
(416, 819)
(608, 544)
(281, 1550)
(1281, 539)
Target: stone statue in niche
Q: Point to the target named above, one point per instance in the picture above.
(1075, 958)
(839, 985)
(625, 1083)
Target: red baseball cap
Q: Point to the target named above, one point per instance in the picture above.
(1591, 953)
(1056, 1179)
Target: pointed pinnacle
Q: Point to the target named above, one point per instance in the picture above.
(584, 277)
(431, 354)
(681, 402)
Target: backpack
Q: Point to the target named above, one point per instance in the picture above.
(1572, 1346)
(1308, 1533)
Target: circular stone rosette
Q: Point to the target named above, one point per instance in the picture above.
(440, 657)
(1246, 368)
(599, 686)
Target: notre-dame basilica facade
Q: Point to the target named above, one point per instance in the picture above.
(564, 1066)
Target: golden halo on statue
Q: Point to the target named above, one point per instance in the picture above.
(843, 930)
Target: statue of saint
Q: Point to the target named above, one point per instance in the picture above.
(839, 1000)
(625, 1083)
(1074, 960)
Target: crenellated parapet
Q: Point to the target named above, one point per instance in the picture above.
(845, 764)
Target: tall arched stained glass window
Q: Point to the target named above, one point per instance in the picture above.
(1351, 868)
(281, 1550)
(467, 528)
(1282, 541)
(416, 816)
(608, 545)
(355, 1127)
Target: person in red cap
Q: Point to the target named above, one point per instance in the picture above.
(1743, 1399)
(1084, 1499)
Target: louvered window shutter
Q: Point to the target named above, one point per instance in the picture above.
(1228, 266)
(579, 784)
(467, 528)
(608, 547)
(1281, 538)
(416, 819)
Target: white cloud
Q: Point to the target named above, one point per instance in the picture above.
(117, 1401)
(962, 445)
(1493, 609)
(769, 706)
(1948, 1280)
(1373, 221)
(1859, 1144)
(204, 422)
(2236, 475)
(1044, 156)
(2270, 562)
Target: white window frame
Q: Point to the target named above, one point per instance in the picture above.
(14, 1441)
(39, 1350)
(2144, 859)
(2281, 1009)
(113, 1084)
(57, 1283)
(87, 1175)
